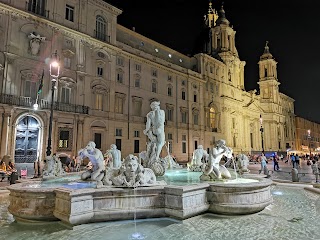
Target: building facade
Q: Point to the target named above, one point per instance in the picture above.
(307, 137)
(110, 75)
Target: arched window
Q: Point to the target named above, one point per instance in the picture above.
(100, 31)
(212, 118)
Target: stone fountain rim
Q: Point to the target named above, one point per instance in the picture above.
(262, 182)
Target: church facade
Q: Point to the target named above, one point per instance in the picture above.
(110, 74)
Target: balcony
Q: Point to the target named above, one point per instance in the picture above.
(101, 36)
(37, 7)
(44, 104)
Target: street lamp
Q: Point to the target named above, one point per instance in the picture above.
(261, 130)
(54, 74)
(309, 138)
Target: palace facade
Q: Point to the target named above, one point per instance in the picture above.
(109, 76)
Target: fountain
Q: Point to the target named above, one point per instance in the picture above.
(108, 193)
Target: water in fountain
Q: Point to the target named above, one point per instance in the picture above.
(136, 235)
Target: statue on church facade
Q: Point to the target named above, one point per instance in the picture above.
(34, 43)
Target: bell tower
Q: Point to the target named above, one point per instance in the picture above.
(268, 82)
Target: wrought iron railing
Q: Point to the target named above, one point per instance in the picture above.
(37, 7)
(101, 36)
(43, 104)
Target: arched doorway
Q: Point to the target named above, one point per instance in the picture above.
(27, 140)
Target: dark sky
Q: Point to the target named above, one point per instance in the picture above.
(292, 28)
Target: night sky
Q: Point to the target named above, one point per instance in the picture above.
(291, 27)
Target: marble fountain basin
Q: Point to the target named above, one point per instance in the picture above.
(85, 204)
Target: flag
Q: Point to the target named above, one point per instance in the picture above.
(41, 83)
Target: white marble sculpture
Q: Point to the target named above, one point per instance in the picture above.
(34, 43)
(131, 174)
(197, 159)
(155, 132)
(53, 167)
(114, 155)
(97, 172)
(213, 170)
(242, 163)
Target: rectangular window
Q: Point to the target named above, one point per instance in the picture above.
(64, 139)
(196, 119)
(120, 77)
(118, 144)
(183, 95)
(195, 144)
(137, 105)
(119, 105)
(184, 147)
(30, 89)
(65, 95)
(118, 132)
(169, 91)
(154, 87)
(67, 62)
(195, 97)
(170, 146)
(137, 82)
(120, 61)
(184, 137)
(170, 114)
(97, 140)
(184, 117)
(99, 71)
(138, 67)
(69, 13)
(136, 133)
(154, 73)
(136, 146)
(99, 99)
(170, 136)
(37, 7)
(169, 78)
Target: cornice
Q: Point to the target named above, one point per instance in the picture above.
(106, 6)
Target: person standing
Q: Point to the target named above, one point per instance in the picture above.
(263, 161)
(275, 163)
(315, 170)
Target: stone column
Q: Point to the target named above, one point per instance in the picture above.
(4, 133)
(79, 141)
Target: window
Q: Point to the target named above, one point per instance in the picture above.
(154, 72)
(138, 67)
(118, 132)
(251, 140)
(195, 97)
(69, 13)
(118, 144)
(184, 117)
(137, 105)
(169, 78)
(119, 101)
(99, 71)
(137, 83)
(30, 89)
(183, 95)
(136, 146)
(100, 31)
(170, 91)
(154, 86)
(184, 147)
(195, 144)
(97, 140)
(136, 133)
(120, 77)
(65, 94)
(67, 62)
(65, 139)
(170, 136)
(37, 7)
(120, 61)
(170, 146)
(196, 119)
(212, 118)
(170, 114)
(99, 101)
(211, 69)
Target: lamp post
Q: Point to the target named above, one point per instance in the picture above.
(261, 130)
(54, 74)
(309, 138)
